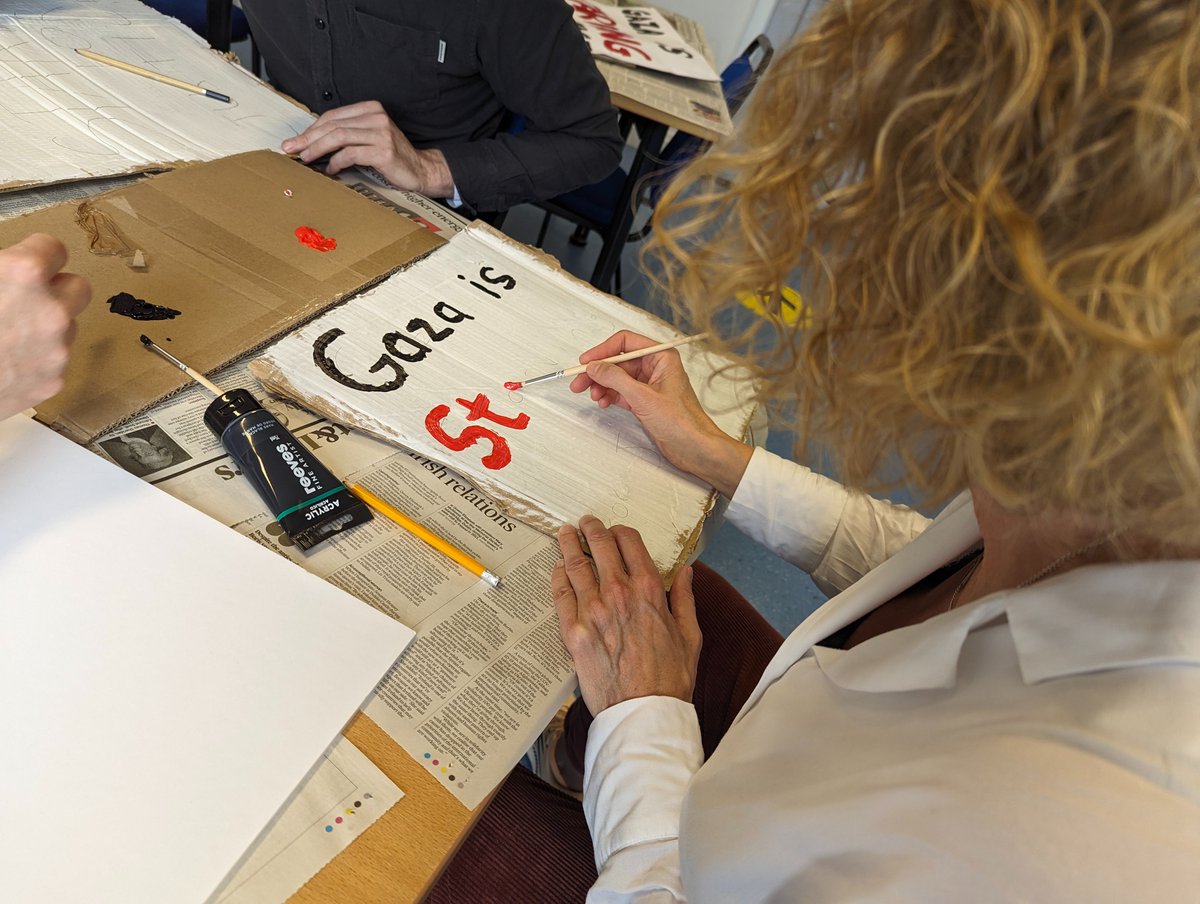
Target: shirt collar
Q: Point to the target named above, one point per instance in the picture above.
(1096, 617)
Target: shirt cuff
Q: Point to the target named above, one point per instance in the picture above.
(788, 508)
(640, 756)
(455, 200)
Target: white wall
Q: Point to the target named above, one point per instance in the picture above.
(729, 25)
(789, 18)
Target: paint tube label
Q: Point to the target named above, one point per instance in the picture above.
(307, 500)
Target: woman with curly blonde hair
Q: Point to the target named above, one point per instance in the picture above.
(993, 207)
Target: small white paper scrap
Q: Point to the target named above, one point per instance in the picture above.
(344, 796)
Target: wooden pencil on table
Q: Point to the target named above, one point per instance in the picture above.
(395, 515)
(151, 74)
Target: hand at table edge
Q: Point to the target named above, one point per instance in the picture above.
(626, 636)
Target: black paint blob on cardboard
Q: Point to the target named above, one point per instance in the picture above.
(138, 309)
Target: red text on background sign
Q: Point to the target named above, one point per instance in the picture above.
(614, 39)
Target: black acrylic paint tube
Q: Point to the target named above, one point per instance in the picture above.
(309, 503)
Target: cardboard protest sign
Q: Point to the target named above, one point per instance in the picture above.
(211, 261)
(421, 359)
(639, 36)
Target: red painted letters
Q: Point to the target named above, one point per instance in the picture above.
(479, 407)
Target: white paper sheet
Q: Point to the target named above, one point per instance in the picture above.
(164, 683)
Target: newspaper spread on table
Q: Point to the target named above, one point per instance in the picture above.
(487, 669)
(452, 695)
(409, 204)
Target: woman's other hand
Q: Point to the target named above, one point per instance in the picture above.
(657, 390)
(616, 623)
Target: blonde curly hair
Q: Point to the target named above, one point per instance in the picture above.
(994, 210)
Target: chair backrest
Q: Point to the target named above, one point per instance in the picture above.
(737, 81)
(741, 75)
(220, 22)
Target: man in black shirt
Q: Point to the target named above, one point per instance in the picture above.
(424, 92)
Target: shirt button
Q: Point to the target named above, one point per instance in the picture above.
(328, 95)
(320, 23)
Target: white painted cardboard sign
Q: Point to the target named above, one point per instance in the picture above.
(421, 360)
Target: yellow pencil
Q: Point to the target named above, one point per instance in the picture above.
(150, 73)
(389, 511)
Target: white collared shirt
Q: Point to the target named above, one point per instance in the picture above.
(1041, 743)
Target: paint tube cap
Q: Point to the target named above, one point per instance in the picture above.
(227, 408)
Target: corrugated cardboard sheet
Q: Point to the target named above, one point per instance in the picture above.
(219, 245)
(64, 117)
(421, 359)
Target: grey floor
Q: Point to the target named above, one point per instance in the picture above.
(780, 591)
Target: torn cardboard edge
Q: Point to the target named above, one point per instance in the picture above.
(144, 169)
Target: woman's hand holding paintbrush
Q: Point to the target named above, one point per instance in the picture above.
(656, 388)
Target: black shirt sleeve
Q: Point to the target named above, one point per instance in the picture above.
(449, 73)
(532, 54)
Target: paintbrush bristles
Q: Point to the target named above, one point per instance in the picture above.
(194, 374)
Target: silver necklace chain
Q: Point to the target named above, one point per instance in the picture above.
(1044, 573)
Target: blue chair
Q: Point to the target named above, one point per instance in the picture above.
(217, 21)
(594, 207)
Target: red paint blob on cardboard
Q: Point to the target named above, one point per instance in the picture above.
(313, 239)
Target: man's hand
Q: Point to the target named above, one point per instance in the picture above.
(616, 623)
(362, 134)
(38, 307)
